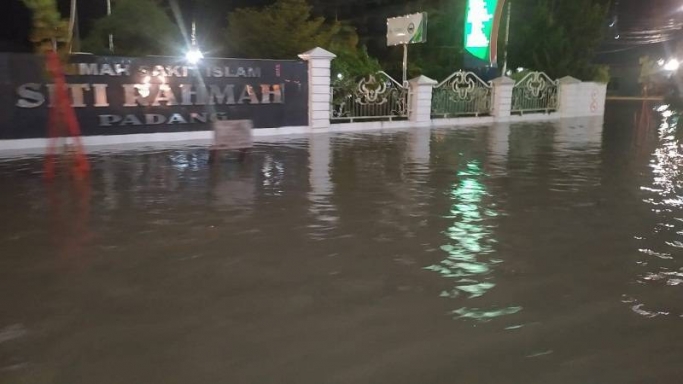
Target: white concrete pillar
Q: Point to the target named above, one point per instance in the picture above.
(594, 99)
(319, 92)
(569, 96)
(421, 100)
(502, 97)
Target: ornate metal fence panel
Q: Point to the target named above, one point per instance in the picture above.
(374, 97)
(461, 94)
(535, 93)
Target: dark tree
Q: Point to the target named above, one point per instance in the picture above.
(558, 37)
(140, 27)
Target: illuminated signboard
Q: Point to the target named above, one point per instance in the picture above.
(127, 95)
(481, 24)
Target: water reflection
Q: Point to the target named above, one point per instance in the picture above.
(644, 124)
(661, 278)
(69, 204)
(498, 149)
(233, 185)
(321, 207)
(470, 247)
(273, 175)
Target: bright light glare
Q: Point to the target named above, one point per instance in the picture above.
(663, 108)
(194, 55)
(144, 88)
(672, 65)
(667, 114)
(660, 62)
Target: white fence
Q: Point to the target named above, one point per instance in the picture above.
(462, 97)
(461, 94)
(466, 99)
(535, 93)
(374, 97)
(380, 102)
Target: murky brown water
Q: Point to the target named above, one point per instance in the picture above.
(547, 253)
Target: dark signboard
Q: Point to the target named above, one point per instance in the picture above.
(119, 95)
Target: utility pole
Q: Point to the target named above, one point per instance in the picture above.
(405, 65)
(507, 38)
(73, 19)
(111, 36)
(193, 37)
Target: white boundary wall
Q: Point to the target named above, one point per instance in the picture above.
(576, 99)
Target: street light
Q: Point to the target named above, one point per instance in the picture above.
(672, 65)
(194, 55)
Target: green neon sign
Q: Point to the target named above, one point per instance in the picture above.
(479, 24)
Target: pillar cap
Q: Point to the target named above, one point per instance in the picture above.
(503, 80)
(423, 80)
(569, 80)
(317, 53)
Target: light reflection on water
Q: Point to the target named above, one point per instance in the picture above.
(661, 266)
(470, 247)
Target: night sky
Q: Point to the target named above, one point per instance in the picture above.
(15, 19)
(638, 21)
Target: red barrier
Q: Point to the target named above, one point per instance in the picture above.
(63, 124)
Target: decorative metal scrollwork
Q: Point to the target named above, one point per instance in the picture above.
(371, 91)
(536, 83)
(463, 85)
(376, 96)
(462, 93)
(536, 92)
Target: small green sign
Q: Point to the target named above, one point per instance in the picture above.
(408, 29)
(479, 21)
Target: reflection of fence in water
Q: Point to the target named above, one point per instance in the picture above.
(535, 93)
(374, 97)
(461, 94)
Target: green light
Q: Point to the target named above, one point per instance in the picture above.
(470, 245)
(479, 22)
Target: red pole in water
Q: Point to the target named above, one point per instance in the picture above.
(62, 115)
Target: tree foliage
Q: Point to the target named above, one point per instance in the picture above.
(351, 64)
(558, 37)
(48, 24)
(139, 27)
(279, 31)
(443, 52)
(352, 60)
(555, 36)
(287, 28)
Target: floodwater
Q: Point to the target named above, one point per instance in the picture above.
(531, 253)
